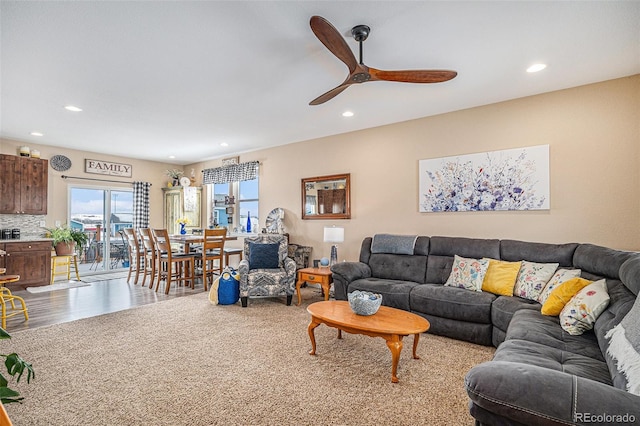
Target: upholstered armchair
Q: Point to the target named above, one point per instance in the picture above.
(266, 270)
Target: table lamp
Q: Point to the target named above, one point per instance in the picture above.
(333, 235)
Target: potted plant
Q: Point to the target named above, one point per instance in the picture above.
(175, 176)
(66, 239)
(15, 365)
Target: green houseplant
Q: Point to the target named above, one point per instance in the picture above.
(67, 239)
(15, 366)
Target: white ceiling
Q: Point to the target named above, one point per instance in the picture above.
(179, 78)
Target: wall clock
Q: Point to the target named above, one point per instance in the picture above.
(185, 181)
(60, 163)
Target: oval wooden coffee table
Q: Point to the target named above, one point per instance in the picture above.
(389, 323)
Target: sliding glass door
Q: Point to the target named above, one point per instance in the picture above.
(101, 213)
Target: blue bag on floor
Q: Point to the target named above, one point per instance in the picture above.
(228, 287)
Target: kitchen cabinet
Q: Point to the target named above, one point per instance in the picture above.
(182, 202)
(23, 184)
(29, 259)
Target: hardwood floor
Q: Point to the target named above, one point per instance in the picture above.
(98, 298)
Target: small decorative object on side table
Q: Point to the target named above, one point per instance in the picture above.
(322, 276)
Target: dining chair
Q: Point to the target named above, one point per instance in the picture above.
(136, 254)
(172, 265)
(150, 259)
(7, 298)
(212, 251)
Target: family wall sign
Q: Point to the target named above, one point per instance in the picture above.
(107, 168)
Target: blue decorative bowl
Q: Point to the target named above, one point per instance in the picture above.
(364, 302)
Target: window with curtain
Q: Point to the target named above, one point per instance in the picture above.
(234, 216)
(233, 191)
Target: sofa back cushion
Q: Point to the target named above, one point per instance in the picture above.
(600, 261)
(513, 251)
(365, 250)
(630, 274)
(397, 266)
(443, 249)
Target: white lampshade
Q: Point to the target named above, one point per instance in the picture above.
(333, 235)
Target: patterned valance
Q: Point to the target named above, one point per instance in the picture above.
(231, 173)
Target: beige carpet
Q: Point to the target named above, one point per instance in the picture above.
(187, 362)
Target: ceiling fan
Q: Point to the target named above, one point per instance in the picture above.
(358, 71)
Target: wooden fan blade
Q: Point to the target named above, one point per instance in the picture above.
(412, 76)
(333, 41)
(329, 95)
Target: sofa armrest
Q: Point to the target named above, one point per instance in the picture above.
(345, 273)
(530, 394)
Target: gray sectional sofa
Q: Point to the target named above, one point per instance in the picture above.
(540, 374)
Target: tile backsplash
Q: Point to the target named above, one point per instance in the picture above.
(29, 224)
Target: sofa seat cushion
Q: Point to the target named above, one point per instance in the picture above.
(480, 334)
(532, 326)
(533, 353)
(395, 293)
(453, 303)
(504, 307)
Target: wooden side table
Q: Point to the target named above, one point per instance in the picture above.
(320, 276)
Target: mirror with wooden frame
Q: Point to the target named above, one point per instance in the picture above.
(326, 197)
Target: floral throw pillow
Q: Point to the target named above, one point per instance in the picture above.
(582, 311)
(532, 279)
(467, 273)
(558, 278)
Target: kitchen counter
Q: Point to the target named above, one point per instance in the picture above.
(26, 239)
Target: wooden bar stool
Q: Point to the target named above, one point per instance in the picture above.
(136, 254)
(65, 261)
(212, 251)
(6, 296)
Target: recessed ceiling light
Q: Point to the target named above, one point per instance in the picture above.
(172, 156)
(72, 108)
(224, 144)
(347, 114)
(36, 134)
(536, 67)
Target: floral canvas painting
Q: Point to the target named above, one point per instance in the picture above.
(512, 179)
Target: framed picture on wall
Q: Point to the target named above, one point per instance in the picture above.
(512, 179)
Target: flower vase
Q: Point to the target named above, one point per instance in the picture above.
(183, 228)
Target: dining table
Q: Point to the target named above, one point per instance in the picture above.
(187, 239)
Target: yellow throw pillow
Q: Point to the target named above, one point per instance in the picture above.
(501, 277)
(562, 294)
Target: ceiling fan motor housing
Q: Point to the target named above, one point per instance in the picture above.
(360, 32)
(361, 77)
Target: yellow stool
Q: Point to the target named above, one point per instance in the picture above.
(66, 262)
(6, 296)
